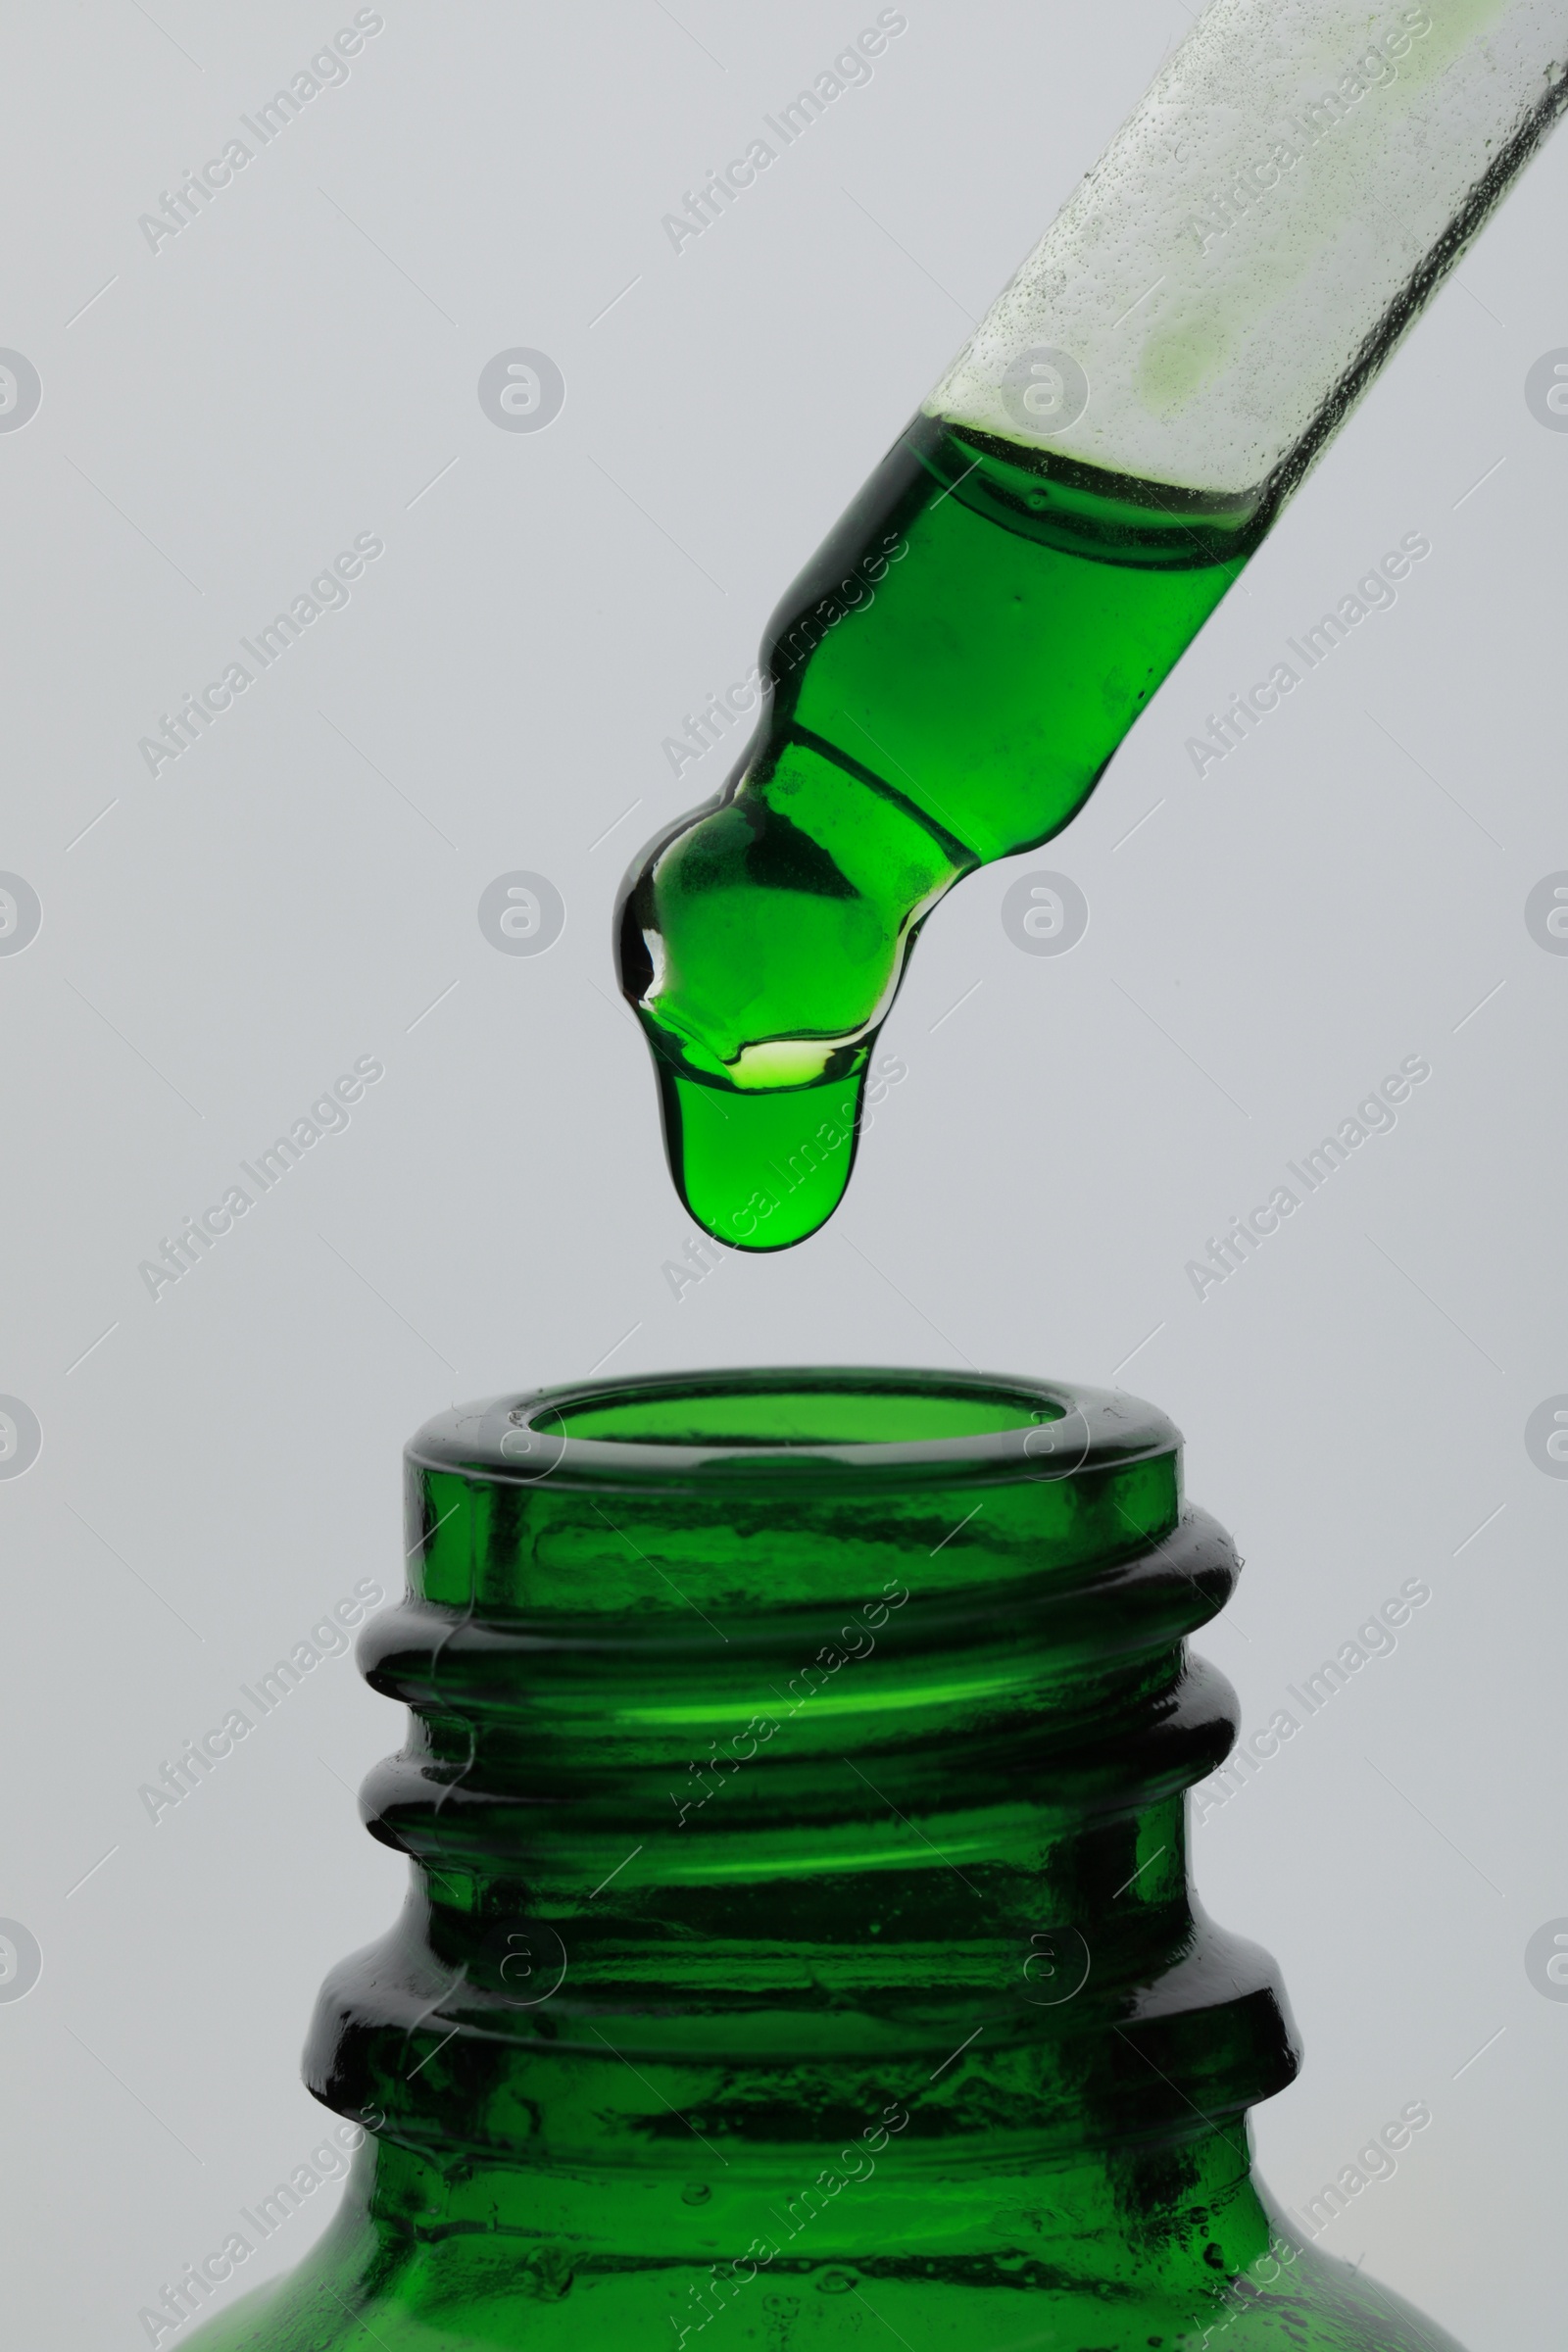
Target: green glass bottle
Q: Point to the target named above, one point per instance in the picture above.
(799, 1950)
(948, 679)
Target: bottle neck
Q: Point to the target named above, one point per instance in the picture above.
(992, 1924)
(857, 1868)
(911, 2003)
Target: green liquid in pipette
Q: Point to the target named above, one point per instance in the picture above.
(950, 676)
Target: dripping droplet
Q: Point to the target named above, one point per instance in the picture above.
(761, 1171)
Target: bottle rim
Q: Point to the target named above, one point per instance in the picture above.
(847, 1425)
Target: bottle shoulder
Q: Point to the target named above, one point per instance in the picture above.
(484, 2293)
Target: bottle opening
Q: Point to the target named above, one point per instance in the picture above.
(861, 1424)
(712, 1416)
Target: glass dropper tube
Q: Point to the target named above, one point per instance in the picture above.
(953, 671)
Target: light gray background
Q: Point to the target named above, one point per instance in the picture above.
(300, 889)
